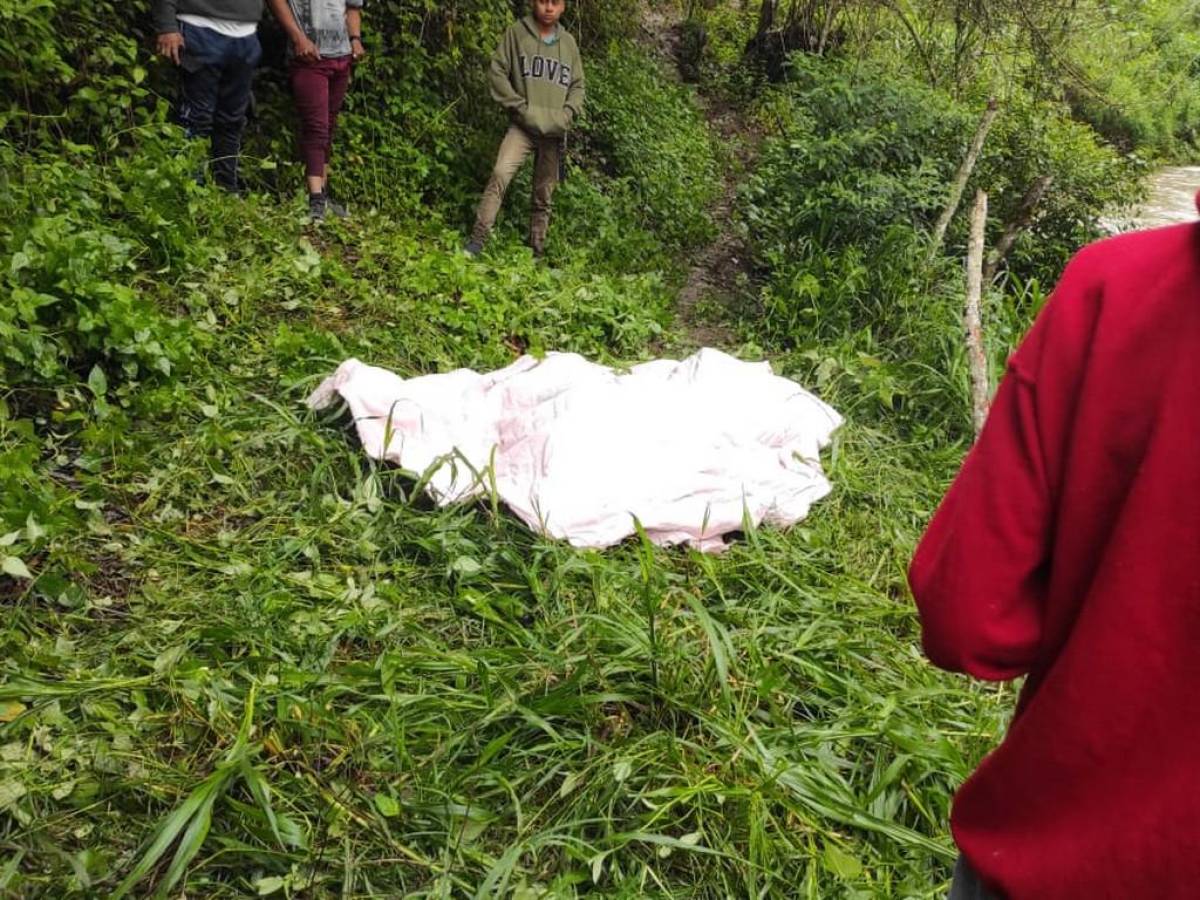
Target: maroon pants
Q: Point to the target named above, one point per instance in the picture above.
(319, 89)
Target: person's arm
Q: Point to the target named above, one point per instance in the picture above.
(302, 47)
(354, 28)
(165, 14)
(169, 42)
(979, 573)
(575, 93)
(500, 76)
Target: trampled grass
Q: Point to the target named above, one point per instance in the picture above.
(279, 670)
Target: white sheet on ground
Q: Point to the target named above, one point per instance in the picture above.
(577, 450)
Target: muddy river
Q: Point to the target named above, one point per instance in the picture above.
(1172, 199)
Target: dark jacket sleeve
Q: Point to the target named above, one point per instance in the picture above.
(164, 12)
(500, 75)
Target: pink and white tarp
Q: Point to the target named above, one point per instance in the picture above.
(577, 450)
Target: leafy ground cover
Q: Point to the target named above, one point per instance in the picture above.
(238, 659)
(248, 661)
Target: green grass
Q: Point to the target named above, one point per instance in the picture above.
(264, 665)
(250, 662)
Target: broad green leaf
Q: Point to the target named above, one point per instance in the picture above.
(466, 566)
(598, 867)
(10, 792)
(841, 863)
(14, 566)
(33, 531)
(168, 659)
(622, 770)
(271, 885)
(569, 784)
(97, 382)
(387, 805)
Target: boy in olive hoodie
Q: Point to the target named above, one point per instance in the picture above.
(537, 75)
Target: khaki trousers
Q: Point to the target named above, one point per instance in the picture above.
(514, 149)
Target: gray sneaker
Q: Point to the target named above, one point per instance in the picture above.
(318, 204)
(336, 208)
(474, 248)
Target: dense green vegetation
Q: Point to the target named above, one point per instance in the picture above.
(239, 659)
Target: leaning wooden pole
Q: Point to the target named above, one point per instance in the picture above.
(962, 177)
(976, 355)
(1025, 212)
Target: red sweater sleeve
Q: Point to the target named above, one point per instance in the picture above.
(979, 574)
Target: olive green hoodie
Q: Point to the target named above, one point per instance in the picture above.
(540, 84)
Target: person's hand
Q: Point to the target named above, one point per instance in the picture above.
(305, 49)
(170, 46)
(357, 50)
(525, 122)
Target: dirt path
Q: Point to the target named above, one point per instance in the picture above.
(718, 281)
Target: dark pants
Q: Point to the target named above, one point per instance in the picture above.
(319, 89)
(217, 72)
(966, 884)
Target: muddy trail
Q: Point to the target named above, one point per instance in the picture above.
(719, 281)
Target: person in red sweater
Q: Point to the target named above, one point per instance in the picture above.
(1067, 550)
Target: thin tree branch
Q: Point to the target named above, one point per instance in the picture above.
(962, 177)
(973, 317)
(1012, 231)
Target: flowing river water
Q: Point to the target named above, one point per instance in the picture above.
(1172, 199)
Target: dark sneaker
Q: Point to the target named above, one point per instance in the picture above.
(337, 209)
(318, 204)
(474, 248)
(539, 252)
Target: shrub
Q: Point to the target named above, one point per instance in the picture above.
(644, 128)
(841, 202)
(1033, 138)
(79, 237)
(859, 152)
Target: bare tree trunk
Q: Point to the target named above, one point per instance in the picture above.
(976, 355)
(962, 177)
(766, 18)
(827, 26)
(1012, 231)
(756, 47)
